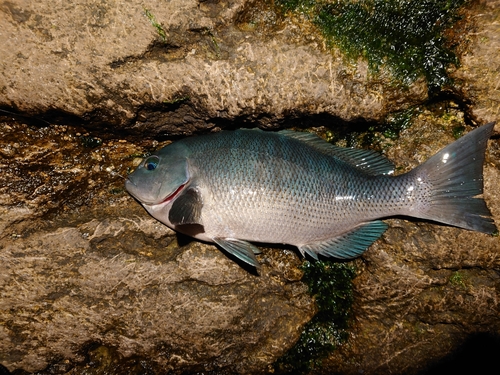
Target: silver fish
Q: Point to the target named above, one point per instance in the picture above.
(289, 187)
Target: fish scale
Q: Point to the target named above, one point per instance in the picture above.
(270, 182)
(233, 188)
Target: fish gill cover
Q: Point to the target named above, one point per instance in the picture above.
(411, 38)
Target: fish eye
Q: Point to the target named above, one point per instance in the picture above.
(151, 163)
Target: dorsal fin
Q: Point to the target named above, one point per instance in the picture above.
(370, 162)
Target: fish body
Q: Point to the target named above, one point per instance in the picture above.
(238, 187)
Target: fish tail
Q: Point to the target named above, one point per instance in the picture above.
(455, 178)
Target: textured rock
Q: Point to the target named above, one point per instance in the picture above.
(105, 63)
(479, 74)
(100, 282)
(424, 288)
(74, 276)
(89, 278)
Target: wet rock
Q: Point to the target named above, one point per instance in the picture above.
(91, 282)
(93, 268)
(177, 67)
(424, 289)
(111, 281)
(479, 73)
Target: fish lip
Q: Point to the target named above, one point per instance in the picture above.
(129, 181)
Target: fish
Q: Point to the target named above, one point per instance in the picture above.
(237, 188)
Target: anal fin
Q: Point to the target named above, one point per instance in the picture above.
(309, 251)
(348, 245)
(242, 250)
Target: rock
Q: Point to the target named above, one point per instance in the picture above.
(424, 289)
(95, 269)
(189, 66)
(478, 75)
(107, 281)
(91, 282)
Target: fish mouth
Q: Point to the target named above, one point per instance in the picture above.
(134, 190)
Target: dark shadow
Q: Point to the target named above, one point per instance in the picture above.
(40, 120)
(296, 120)
(8, 115)
(184, 239)
(477, 355)
(4, 370)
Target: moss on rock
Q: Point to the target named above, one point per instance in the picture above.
(410, 38)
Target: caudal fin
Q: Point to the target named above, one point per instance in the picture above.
(456, 176)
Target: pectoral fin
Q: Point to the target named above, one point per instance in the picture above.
(186, 209)
(240, 249)
(350, 244)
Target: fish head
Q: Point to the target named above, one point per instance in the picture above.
(160, 177)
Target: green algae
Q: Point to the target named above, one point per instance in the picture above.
(459, 279)
(410, 38)
(331, 285)
(396, 122)
(458, 131)
(160, 30)
(382, 133)
(374, 135)
(90, 142)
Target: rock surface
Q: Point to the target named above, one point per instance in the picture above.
(90, 278)
(97, 269)
(105, 63)
(425, 288)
